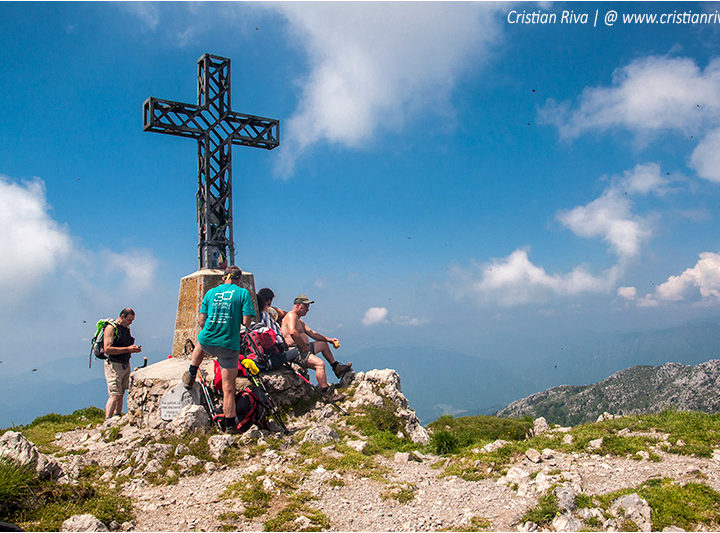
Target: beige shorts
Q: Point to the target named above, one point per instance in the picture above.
(117, 377)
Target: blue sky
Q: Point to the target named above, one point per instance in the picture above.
(445, 178)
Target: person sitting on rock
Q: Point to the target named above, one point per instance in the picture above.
(297, 334)
(269, 315)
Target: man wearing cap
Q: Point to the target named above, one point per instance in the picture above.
(297, 334)
(223, 310)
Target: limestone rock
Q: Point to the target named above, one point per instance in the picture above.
(321, 435)
(565, 495)
(156, 451)
(402, 457)
(15, 446)
(191, 418)
(357, 445)
(595, 444)
(217, 444)
(83, 522)
(633, 508)
(533, 455)
(365, 395)
(540, 426)
(496, 445)
(568, 439)
(566, 523)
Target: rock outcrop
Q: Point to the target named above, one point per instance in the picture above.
(15, 446)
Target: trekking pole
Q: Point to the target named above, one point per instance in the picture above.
(252, 371)
(208, 400)
(323, 395)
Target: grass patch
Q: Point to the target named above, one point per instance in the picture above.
(402, 493)
(350, 460)
(544, 512)
(251, 492)
(290, 517)
(43, 505)
(476, 523)
(42, 430)
(472, 430)
(381, 425)
(685, 506)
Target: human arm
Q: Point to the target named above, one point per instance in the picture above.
(109, 349)
(280, 313)
(202, 317)
(320, 337)
(248, 320)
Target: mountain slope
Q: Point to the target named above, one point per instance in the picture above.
(639, 389)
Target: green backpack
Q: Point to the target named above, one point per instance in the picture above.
(97, 344)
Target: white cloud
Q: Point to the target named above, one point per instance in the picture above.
(137, 266)
(705, 159)
(373, 65)
(628, 293)
(375, 315)
(404, 320)
(699, 283)
(650, 94)
(515, 280)
(32, 243)
(147, 12)
(610, 216)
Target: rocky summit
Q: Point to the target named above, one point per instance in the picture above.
(639, 389)
(372, 469)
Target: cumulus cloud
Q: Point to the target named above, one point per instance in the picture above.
(32, 243)
(705, 159)
(610, 216)
(373, 65)
(375, 315)
(628, 293)
(515, 280)
(699, 283)
(650, 94)
(137, 266)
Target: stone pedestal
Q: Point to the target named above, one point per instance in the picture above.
(192, 290)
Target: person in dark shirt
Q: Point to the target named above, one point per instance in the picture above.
(119, 345)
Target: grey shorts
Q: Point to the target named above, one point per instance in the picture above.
(293, 356)
(117, 376)
(226, 358)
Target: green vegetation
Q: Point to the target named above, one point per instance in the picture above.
(43, 505)
(42, 430)
(546, 509)
(472, 430)
(297, 507)
(381, 425)
(251, 492)
(347, 460)
(402, 493)
(476, 523)
(673, 504)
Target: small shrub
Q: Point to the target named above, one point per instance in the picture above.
(444, 443)
(16, 485)
(546, 509)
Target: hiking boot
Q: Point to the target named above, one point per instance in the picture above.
(188, 379)
(231, 430)
(329, 395)
(341, 369)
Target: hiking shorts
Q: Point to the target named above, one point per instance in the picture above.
(293, 356)
(117, 376)
(226, 358)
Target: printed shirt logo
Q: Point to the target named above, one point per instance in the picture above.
(221, 307)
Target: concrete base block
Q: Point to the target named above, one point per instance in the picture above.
(192, 290)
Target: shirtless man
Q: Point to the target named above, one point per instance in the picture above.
(297, 334)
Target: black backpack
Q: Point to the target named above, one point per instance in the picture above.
(252, 406)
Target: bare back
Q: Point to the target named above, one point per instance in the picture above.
(292, 326)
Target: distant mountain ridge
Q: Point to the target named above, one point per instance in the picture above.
(638, 389)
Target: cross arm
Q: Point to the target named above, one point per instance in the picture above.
(174, 118)
(251, 130)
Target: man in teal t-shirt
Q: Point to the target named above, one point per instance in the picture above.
(223, 310)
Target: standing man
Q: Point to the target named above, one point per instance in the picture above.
(297, 333)
(223, 310)
(118, 345)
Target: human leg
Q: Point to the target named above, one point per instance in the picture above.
(117, 376)
(188, 377)
(114, 405)
(323, 347)
(228, 385)
(318, 365)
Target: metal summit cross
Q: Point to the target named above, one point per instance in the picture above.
(216, 127)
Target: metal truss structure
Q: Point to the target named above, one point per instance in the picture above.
(216, 128)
